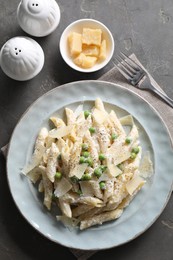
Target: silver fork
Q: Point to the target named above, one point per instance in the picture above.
(136, 76)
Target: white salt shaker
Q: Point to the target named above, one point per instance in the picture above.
(38, 17)
(21, 58)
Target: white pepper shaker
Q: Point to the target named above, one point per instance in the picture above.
(38, 17)
(21, 58)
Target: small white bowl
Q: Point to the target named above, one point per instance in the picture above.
(21, 58)
(77, 26)
(38, 17)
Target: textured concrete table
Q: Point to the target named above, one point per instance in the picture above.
(144, 27)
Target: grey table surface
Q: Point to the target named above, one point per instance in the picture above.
(144, 27)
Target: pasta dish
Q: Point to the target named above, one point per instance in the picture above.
(88, 165)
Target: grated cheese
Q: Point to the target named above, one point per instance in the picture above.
(60, 132)
(113, 170)
(78, 170)
(134, 184)
(62, 187)
(99, 116)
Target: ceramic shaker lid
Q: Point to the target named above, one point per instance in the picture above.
(21, 58)
(38, 17)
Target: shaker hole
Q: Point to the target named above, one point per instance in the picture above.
(36, 4)
(16, 53)
(19, 50)
(15, 48)
(33, 4)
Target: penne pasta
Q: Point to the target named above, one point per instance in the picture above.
(48, 189)
(39, 150)
(65, 207)
(58, 122)
(99, 105)
(52, 162)
(103, 138)
(89, 164)
(81, 209)
(71, 118)
(101, 218)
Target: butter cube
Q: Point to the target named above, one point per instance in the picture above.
(85, 61)
(91, 50)
(75, 43)
(102, 55)
(91, 36)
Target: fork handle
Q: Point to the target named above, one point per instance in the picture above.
(168, 100)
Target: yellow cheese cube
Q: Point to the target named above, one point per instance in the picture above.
(79, 59)
(91, 50)
(85, 61)
(102, 55)
(91, 36)
(75, 43)
(89, 62)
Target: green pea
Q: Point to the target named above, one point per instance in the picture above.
(92, 130)
(87, 113)
(89, 160)
(102, 157)
(98, 172)
(85, 154)
(128, 140)
(82, 159)
(135, 150)
(114, 136)
(102, 185)
(85, 147)
(133, 155)
(86, 177)
(58, 175)
(103, 168)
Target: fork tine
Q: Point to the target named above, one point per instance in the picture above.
(123, 72)
(130, 67)
(135, 66)
(120, 62)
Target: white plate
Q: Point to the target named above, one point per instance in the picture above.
(146, 206)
